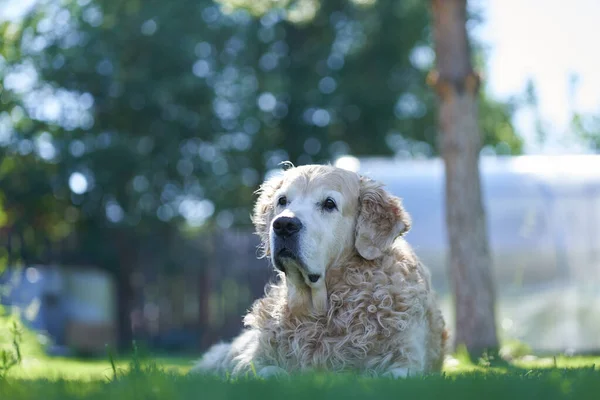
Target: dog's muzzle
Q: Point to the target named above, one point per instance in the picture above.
(286, 248)
(285, 241)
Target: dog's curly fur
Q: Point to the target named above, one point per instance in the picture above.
(382, 316)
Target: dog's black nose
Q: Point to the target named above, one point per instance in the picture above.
(286, 226)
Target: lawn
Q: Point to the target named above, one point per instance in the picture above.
(88, 370)
(165, 378)
(145, 376)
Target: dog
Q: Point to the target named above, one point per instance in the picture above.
(351, 294)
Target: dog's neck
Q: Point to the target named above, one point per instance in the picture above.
(306, 300)
(303, 299)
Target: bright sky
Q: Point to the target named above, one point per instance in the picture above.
(545, 40)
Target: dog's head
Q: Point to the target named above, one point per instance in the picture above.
(311, 217)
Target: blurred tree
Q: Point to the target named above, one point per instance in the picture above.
(123, 122)
(586, 128)
(152, 132)
(457, 85)
(29, 214)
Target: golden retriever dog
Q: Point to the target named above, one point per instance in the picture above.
(351, 294)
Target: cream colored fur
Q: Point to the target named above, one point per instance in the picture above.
(374, 312)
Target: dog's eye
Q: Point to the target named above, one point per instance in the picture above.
(329, 204)
(282, 201)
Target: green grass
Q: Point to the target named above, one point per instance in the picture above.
(86, 370)
(141, 377)
(165, 378)
(577, 384)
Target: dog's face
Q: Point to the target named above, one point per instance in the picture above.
(313, 221)
(311, 217)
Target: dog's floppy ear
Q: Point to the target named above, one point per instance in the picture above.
(263, 211)
(381, 220)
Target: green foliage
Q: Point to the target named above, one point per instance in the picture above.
(16, 340)
(297, 11)
(139, 365)
(126, 121)
(513, 349)
(587, 129)
(497, 129)
(10, 357)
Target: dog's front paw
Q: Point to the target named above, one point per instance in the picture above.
(397, 373)
(272, 371)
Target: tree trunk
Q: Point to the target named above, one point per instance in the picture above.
(204, 291)
(125, 292)
(460, 142)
